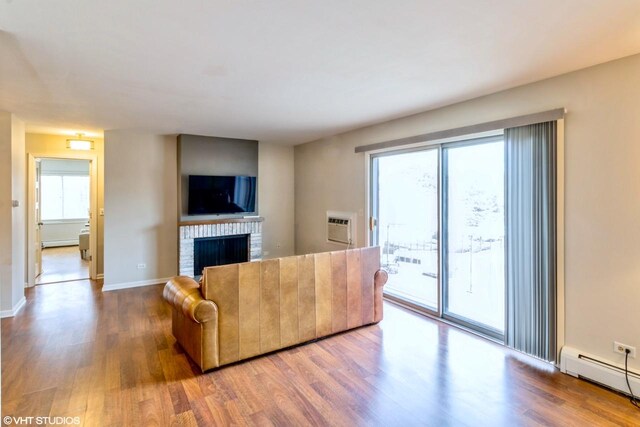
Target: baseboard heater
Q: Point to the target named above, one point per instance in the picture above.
(592, 368)
(59, 243)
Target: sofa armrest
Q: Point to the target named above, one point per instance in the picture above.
(379, 280)
(184, 294)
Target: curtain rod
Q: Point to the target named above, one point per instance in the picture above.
(528, 119)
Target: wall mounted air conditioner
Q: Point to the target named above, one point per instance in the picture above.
(340, 227)
(593, 368)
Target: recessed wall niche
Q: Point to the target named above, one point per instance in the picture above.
(210, 155)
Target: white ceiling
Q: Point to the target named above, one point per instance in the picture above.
(287, 71)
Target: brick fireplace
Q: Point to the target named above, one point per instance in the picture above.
(189, 231)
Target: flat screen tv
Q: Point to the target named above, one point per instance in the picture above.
(221, 194)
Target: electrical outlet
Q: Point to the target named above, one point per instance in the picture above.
(618, 347)
(142, 266)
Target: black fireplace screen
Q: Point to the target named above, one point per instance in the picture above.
(210, 251)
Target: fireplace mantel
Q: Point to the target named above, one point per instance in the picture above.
(222, 221)
(190, 230)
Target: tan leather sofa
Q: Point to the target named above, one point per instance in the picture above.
(244, 310)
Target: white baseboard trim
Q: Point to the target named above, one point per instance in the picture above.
(14, 310)
(127, 285)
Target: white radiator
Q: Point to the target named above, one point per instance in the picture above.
(582, 365)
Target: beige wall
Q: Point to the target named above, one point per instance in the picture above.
(12, 219)
(276, 189)
(5, 212)
(602, 183)
(328, 177)
(56, 146)
(141, 213)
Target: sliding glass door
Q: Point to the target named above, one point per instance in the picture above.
(406, 208)
(455, 191)
(473, 229)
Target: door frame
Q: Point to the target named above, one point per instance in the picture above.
(93, 207)
(37, 220)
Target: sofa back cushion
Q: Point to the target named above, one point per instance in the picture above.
(272, 304)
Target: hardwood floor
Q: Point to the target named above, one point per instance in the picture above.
(62, 264)
(110, 359)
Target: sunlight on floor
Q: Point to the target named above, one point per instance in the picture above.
(62, 264)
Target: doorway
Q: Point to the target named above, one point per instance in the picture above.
(62, 194)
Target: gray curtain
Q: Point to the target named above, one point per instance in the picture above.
(530, 204)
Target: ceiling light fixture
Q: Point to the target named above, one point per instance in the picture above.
(79, 143)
